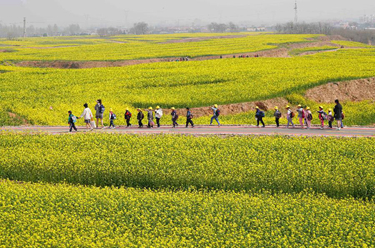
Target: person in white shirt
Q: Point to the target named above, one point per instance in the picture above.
(158, 115)
(87, 115)
(289, 117)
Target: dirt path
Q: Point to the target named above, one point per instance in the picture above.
(206, 130)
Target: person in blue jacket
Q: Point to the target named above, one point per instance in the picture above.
(259, 116)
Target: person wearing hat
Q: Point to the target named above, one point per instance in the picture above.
(150, 118)
(158, 115)
(300, 115)
(330, 118)
(128, 116)
(322, 116)
(140, 117)
(112, 117)
(216, 114)
(174, 117)
(309, 117)
(189, 118)
(289, 117)
(277, 115)
(259, 114)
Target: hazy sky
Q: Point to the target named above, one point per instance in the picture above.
(126, 12)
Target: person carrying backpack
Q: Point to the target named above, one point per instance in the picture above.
(322, 116)
(309, 117)
(338, 114)
(140, 117)
(330, 118)
(259, 116)
(216, 114)
(342, 118)
(301, 116)
(150, 118)
(174, 117)
(290, 116)
(71, 121)
(99, 112)
(189, 118)
(277, 115)
(128, 116)
(112, 117)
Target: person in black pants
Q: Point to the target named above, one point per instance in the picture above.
(140, 117)
(174, 117)
(71, 122)
(277, 115)
(189, 118)
(259, 115)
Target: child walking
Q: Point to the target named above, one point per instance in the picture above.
(174, 117)
(71, 121)
(330, 118)
(321, 117)
(189, 118)
(309, 117)
(289, 117)
(112, 117)
(140, 117)
(128, 116)
(277, 115)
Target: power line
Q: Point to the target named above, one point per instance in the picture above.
(296, 13)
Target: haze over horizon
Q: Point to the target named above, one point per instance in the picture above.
(168, 12)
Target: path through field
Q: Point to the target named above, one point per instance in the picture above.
(207, 130)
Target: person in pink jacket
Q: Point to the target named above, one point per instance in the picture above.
(309, 117)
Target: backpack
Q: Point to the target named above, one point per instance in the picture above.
(262, 114)
(278, 115)
(303, 114)
(217, 112)
(113, 116)
(309, 117)
(342, 116)
(74, 119)
(324, 115)
(292, 115)
(101, 109)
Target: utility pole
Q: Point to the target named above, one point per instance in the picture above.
(296, 13)
(24, 27)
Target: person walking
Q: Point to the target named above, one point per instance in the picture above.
(158, 115)
(112, 117)
(140, 118)
(150, 118)
(330, 118)
(277, 115)
(322, 117)
(128, 116)
(87, 116)
(99, 112)
(189, 118)
(290, 116)
(71, 121)
(259, 116)
(309, 117)
(342, 118)
(301, 116)
(338, 114)
(174, 117)
(216, 114)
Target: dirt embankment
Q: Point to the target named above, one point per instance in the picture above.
(354, 90)
(236, 108)
(18, 118)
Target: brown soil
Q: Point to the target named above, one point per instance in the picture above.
(315, 52)
(236, 108)
(354, 90)
(331, 37)
(204, 38)
(16, 117)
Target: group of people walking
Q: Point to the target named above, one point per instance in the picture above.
(304, 115)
